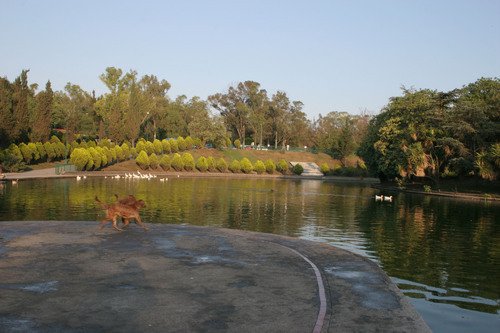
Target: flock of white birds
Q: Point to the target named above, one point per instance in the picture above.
(133, 175)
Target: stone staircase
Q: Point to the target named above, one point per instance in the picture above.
(310, 169)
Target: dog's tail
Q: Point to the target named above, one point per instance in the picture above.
(103, 205)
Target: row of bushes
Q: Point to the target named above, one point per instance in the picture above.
(359, 170)
(94, 154)
(15, 158)
(186, 162)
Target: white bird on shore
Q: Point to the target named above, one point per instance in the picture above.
(14, 181)
(379, 197)
(84, 177)
(78, 177)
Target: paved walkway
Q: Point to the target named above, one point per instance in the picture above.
(71, 276)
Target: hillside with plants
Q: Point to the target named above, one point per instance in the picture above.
(422, 134)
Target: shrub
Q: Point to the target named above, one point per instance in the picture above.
(237, 143)
(177, 162)
(41, 150)
(150, 148)
(133, 153)
(60, 149)
(165, 162)
(142, 160)
(259, 167)
(211, 164)
(34, 151)
(104, 158)
(202, 164)
(282, 166)
(51, 154)
(189, 142)
(221, 165)
(54, 139)
(181, 143)
(153, 161)
(270, 166)
(81, 158)
(140, 146)
(126, 151)
(96, 157)
(197, 143)
(298, 169)
(174, 148)
(12, 159)
(246, 165)
(120, 156)
(90, 144)
(165, 146)
(188, 161)
(157, 146)
(324, 168)
(111, 154)
(235, 166)
(26, 153)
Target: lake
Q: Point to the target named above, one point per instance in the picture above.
(443, 253)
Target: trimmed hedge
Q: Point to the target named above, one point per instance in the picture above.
(259, 167)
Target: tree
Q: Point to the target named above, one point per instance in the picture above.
(7, 119)
(41, 124)
(238, 105)
(21, 111)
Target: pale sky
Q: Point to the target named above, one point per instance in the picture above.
(331, 55)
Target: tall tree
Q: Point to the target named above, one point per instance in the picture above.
(41, 120)
(7, 120)
(20, 95)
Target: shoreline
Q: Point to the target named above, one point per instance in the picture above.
(49, 173)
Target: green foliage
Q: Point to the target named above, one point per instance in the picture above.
(96, 158)
(270, 167)
(188, 161)
(298, 169)
(282, 166)
(235, 166)
(198, 143)
(26, 153)
(142, 160)
(165, 162)
(189, 142)
(221, 165)
(141, 146)
(427, 189)
(133, 152)
(211, 164)
(174, 148)
(259, 167)
(120, 156)
(202, 164)
(177, 163)
(82, 159)
(126, 151)
(181, 143)
(157, 146)
(325, 169)
(105, 154)
(246, 165)
(12, 159)
(51, 154)
(165, 146)
(150, 148)
(41, 150)
(153, 161)
(54, 139)
(237, 143)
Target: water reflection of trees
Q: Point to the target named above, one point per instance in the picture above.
(438, 242)
(435, 241)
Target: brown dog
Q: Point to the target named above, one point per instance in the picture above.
(131, 201)
(127, 212)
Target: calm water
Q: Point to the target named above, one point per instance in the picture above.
(443, 253)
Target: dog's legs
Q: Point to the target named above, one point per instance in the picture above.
(126, 222)
(115, 226)
(138, 220)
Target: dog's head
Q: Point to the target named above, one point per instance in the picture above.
(140, 203)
